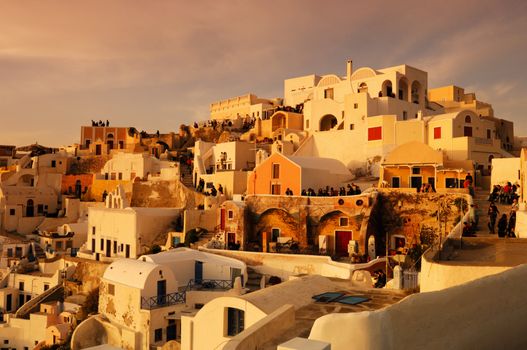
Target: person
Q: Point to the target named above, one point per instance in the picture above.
(502, 226)
(493, 215)
(288, 192)
(213, 191)
(469, 178)
(104, 195)
(514, 205)
(511, 227)
(220, 189)
(381, 279)
(303, 193)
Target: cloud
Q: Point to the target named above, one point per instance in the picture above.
(157, 64)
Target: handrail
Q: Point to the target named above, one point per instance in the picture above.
(181, 297)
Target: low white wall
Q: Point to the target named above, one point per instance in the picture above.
(504, 170)
(521, 224)
(285, 265)
(488, 313)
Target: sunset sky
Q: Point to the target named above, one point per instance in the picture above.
(156, 64)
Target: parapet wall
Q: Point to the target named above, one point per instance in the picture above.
(488, 313)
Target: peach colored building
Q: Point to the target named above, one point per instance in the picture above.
(279, 172)
(102, 139)
(414, 163)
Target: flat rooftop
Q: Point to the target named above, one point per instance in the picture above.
(306, 315)
(489, 252)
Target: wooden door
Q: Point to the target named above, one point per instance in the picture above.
(342, 239)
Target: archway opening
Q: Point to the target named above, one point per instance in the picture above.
(328, 122)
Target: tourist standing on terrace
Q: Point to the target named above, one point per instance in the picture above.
(493, 214)
(502, 226)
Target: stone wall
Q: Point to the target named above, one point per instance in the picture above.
(165, 194)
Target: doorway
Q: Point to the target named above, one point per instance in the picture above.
(342, 239)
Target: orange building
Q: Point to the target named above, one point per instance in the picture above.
(103, 138)
(279, 172)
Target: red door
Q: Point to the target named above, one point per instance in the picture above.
(342, 239)
(222, 220)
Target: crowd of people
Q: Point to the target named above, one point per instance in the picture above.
(506, 224)
(212, 189)
(504, 194)
(352, 189)
(100, 123)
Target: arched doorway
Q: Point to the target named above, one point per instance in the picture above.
(416, 92)
(387, 89)
(403, 89)
(109, 141)
(278, 121)
(328, 122)
(363, 87)
(30, 208)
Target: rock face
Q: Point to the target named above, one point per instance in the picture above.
(164, 194)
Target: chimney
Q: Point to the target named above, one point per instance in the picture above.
(349, 69)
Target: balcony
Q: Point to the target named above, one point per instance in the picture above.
(181, 297)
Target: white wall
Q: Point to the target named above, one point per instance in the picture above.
(504, 170)
(488, 313)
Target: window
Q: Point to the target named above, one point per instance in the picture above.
(467, 131)
(276, 189)
(230, 214)
(235, 321)
(53, 163)
(467, 119)
(355, 106)
(102, 244)
(275, 233)
(20, 285)
(40, 209)
(416, 171)
(93, 230)
(59, 245)
(343, 222)
(276, 171)
(405, 115)
(488, 133)
(9, 253)
(111, 289)
(158, 335)
(437, 132)
(352, 126)
(375, 133)
(12, 212)
(115, 247)
(198, 306)
(46, 287)
(307, 124)
(328, 93)
(396, 182)
(120, 176)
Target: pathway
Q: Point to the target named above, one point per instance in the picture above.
(481, 200)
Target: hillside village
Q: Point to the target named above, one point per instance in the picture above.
(358, 200)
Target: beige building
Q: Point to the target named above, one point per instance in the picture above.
(141, 301)
(248, 105)
(129, 166)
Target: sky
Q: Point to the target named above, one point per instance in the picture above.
(158, 64)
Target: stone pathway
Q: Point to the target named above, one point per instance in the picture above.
(481, 200)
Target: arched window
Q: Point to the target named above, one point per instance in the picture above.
(468, 119)
(363, 87)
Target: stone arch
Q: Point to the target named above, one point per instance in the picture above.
(278, 121)
(387, 89)
(402, 93)
(332, 225)
(26, 180)
(328, 122)
(363, 87)
(276, 219)
(417, 92)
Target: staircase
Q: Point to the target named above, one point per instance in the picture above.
(253, 279)
(186, 175)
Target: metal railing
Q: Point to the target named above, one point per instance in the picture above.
(163, 300)
(181, 297)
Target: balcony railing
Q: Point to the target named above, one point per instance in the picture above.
(181, 297)
(163, 300)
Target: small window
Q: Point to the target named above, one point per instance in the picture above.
(46, 287)
(468, 119)
(93, 230)
(235, 321)
(328, 93)
(120, 176)
(467, 131)
(276, 171)
(307, 124)
(20, 285)
(416, 171)
(355, 106)
(59, 245)
(405, 115)
(437, 132)
(53, 163)
(198, 306)
(111, 289)
(102, 244)
(230, 214)
(352, 126)
(343, 222)
(12, 212)
(6, 341)
(488, 134)
(158, 335)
